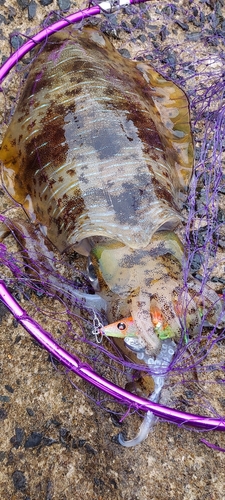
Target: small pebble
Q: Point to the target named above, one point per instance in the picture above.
(169, 57)
(3, 414)
(30, 412)
(47, 441)
(3, 19)
(194, 37)
(195, 11)
(149, 57)
(3, 311)
(16, 41)
(4, 399)
(214, 279)
(142, 38)
(64, 5)
(202, 17)
(9, 388)
(221, 242)
(196, 262)
(19, 480)
(183, 26)
(125, 27)
(2, 455)
(169, 10)
(46, 2)
(153, 37)
(125, 53)
(32, 7)
(220, 215)
(90, 449)
(189, 394)
(11, 13)
(23, 4)
(163, 32)
(33, 440)
(18, 438)
(116, 420)
(196, 23)
(78, 443)
(137, 22)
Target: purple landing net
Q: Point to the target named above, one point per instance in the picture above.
(197, 368)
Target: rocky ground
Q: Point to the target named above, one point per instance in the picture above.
(55, 443)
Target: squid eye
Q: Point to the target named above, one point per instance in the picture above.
(121, 326)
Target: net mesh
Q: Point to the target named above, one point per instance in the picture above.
(195, 378)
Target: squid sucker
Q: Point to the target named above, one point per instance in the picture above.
(99, 153)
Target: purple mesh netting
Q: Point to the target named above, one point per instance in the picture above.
(203, 80)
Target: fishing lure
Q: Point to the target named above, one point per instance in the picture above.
(99, 154)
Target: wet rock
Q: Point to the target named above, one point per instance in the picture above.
(33, 440)
(19, 480)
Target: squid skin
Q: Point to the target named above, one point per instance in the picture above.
(99, 154)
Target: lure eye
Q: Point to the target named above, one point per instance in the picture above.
(121, 326)
(156, 316)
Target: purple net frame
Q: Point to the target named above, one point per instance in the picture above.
(44, 338)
